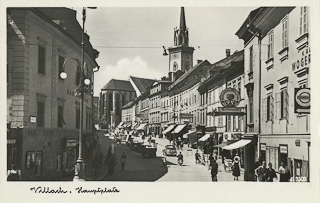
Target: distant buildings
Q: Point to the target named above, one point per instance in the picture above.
(43, 112)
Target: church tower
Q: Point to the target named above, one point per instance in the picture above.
(180, 55)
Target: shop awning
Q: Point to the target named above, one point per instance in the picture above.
(179, 128)
(236, 145)
(120, 124)
(204, 138)
(221, 145)
(171, 127)
(189, 133)
(141, 126)
(135, 125)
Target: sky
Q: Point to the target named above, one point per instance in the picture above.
(130, 39)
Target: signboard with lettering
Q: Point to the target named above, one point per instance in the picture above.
(228, 111)
(230, 97)
(284, 149)
(304, 61)
(302, 100)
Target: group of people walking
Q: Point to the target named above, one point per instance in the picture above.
(264, 174)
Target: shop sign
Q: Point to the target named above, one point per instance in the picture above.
(302, 100)
(229, 111)
(12, 141)
(71, 143)
(186, 115)
(230, 97)
(283, 149)
(33, 119)
(303, 61)
(263, 147)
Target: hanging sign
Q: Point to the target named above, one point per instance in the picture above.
(302, 100)
(230, 97)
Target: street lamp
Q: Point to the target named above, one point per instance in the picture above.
(80, 165)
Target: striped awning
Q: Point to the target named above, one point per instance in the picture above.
(236, 145)
(179, 128)
(141, 126)
(204, 138)
(171, 127)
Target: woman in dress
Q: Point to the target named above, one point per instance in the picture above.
(236, 168)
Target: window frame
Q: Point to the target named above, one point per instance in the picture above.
(42, 59)
(303, 28)
(285, 32)
(270, 44)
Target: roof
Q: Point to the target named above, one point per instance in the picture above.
(190, 78)
(142, 83)
(114, 84)
(64, 19)
(219, 69)
(262, 20)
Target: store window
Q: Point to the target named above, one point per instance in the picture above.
(38, 164)
(283, 154)
(59, 161)
(30, 159)
(263, 151)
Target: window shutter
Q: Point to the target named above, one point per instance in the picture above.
(264, 109)
(271, 107)
(286, 104)
(278, 106)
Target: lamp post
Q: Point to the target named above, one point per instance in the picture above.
(80, 165)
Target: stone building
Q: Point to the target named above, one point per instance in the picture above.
(43, 112)
(114, 95)
(277, 45)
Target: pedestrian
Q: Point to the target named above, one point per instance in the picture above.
(215, 155)
(210, 160)
(111, 164)
(260, 172)
(123, 160)
(256, 165)
(14, 173)
(270, 173)
(236, 168)
(197, 157)
(214, 171)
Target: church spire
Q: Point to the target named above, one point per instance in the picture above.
(181, 35)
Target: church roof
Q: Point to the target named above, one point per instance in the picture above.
(142, 83)
(114, 84)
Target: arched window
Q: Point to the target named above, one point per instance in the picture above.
(175, 66)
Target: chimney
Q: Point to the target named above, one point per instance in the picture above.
(228, 52)
(199, 61)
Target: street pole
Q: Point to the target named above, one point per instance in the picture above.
(80, 165)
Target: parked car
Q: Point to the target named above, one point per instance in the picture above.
(148, 150)
(169, 150)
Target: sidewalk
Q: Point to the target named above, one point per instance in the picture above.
(188, 153)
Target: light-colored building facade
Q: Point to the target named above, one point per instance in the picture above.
(278, 58)
(43, 111)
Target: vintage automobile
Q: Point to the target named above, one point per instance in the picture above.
(169, 150)
(148, 150)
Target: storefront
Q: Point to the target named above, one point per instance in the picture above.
(292, 150)
(14, 147)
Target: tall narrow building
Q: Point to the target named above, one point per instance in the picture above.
(180, 55)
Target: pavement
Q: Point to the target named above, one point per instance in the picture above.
(188, 154)
(140, 168)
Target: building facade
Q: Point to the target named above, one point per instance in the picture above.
(277, 43)
(43, 110)
(114, 95)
